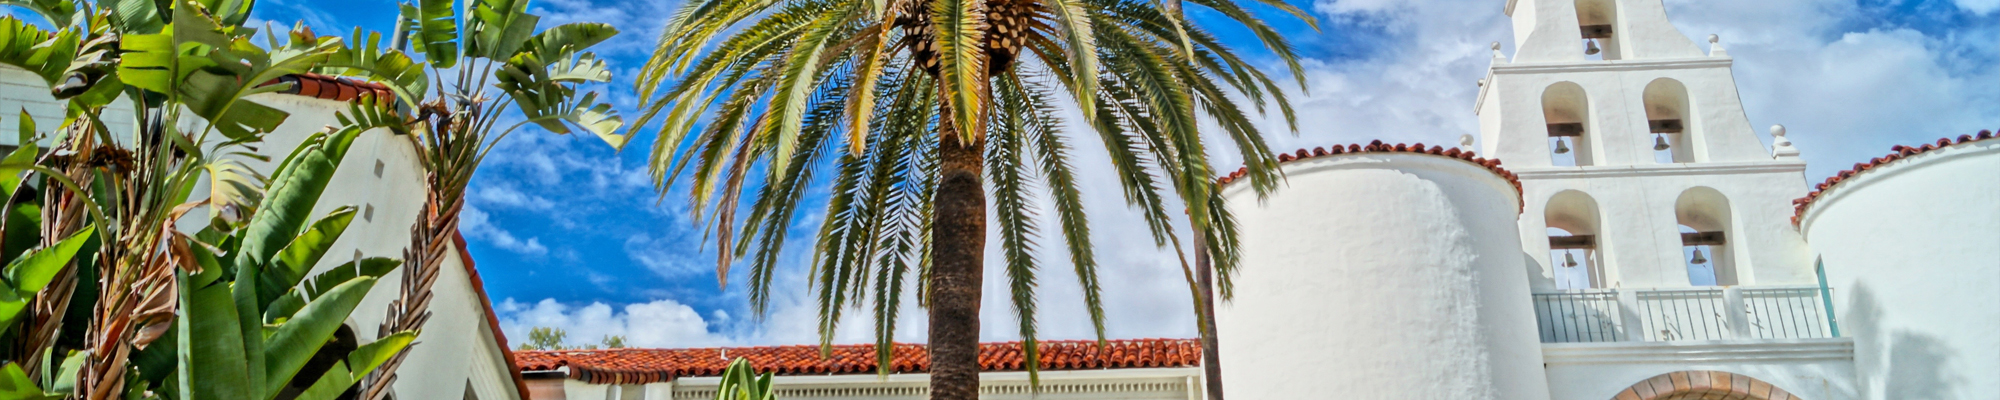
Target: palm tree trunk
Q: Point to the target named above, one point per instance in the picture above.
(958, 246)
(1211, 351)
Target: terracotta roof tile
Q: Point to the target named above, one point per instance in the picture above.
(1379, 147)
(1897, 152)
(332, 87)
(638, 366)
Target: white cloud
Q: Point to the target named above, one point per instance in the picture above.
(660, 323)
(476, 224)
(671, 258)
(506, 196)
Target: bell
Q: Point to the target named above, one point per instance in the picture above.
(1591, 48)
(1698, 259)
(1562, 147)
(1660, 142)
(1569, 259)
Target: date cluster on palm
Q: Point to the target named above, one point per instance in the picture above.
(1005, 30)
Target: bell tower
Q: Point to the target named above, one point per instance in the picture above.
(1634, 153)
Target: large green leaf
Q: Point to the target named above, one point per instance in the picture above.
(369, 356)
(301, 179)
(569, 39)
(58, 12)
(542, 92)
(297, 339)
(318, 285)
(495, 29)
(14, 384)
(437, 32)
(212, 344)
(42, 52)
(306, 249)
(330, 385)
(28, 274)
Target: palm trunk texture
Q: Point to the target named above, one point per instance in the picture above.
(1211, 350)
(958, 237)
(430, 239)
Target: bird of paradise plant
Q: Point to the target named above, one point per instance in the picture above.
(533, 73)
(226, 312)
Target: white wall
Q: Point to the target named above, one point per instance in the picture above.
(1812, 369)
(1107, 384)
(1547, 31)
(456, 345)
(1381, 275)
(1912, 250)
(1640, 241)
(1618, 126)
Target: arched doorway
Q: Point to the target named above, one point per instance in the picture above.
(1689, 385)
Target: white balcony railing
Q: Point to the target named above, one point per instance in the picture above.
(1660, 315)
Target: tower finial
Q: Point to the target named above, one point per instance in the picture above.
(1497, 57)
(1781, 147)
(1715, 46)
(1465, 142)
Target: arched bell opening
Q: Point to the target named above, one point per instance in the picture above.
(1668, 120)
(1703, 220)
(1598, 19)
(1566, 110)
(1575, 257)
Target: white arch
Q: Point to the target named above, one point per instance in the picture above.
(1666, 99)
(1601, 13)
(1577, 213)
(1707, 210)
(1566, 103)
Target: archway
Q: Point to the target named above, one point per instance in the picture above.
(1573, 223)
(1669, 117)
(1598, 19)
(1566, 110)
(1704, 220)
(1690, 385)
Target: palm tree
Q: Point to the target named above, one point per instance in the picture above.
(932, 101)
(457, 126)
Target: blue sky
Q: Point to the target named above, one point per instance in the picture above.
(569, 233)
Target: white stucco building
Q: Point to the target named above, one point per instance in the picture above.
(461, 353)
(1653, 248)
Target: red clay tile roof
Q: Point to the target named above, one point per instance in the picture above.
(639, 366)
(1898, 152)
(332, 87)
(1379, 147)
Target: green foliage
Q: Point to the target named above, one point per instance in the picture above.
(544, 338)
(614, 342)
(228, 324)
(752, 95)
(742, 382)
(27, 275)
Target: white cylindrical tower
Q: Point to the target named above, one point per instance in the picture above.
(1910, 244)
(1380, 272)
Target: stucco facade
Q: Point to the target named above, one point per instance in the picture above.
(458, 355)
